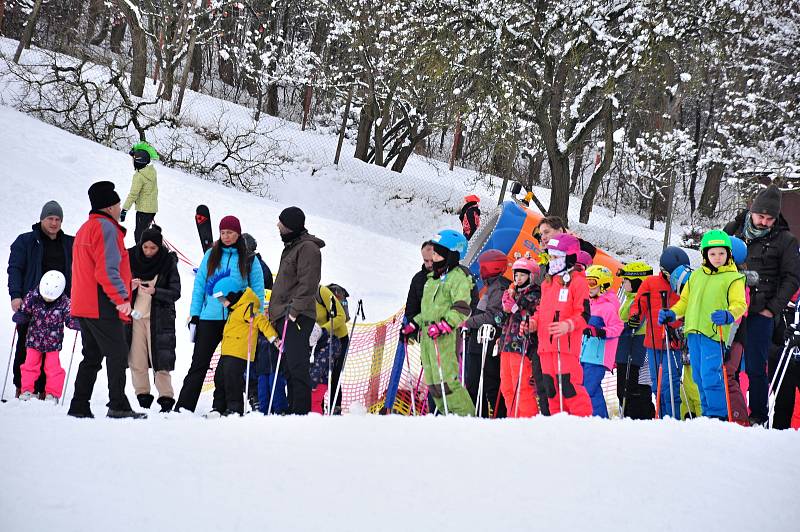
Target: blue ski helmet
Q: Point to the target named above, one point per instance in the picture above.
(738, 250)
(452, 240)
(679, 277)
(226, 285)
(672, 257)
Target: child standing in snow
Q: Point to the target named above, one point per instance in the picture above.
(47, 310)
(712, 300)
(519, 347)
(601, 335)
(446, 302)
(559, 323)
(239, 339)
(144, 188)
(633, 375)
(690, 395)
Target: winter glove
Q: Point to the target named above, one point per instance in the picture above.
(792, 336)
(634, 322)
(316, 334)
(523, 327)
(597, 332)
(722, 317)
(437, 329)
(75, 325)
(666, 316)
(596, 321)
(122, 215)
(409, 328)
(194, 320)
(20, 318)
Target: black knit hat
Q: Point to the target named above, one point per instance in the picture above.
(141, 158)
(768, 202)
(293, 219)
(152, 234)
(102, 195)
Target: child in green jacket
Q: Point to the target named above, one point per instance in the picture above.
(144, 188)
(445, 305)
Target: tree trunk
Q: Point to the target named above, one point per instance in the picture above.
(30, 25)
(272, 100)
(96, 8)
(117, 35)
(168, 76)
(197, 67)
(695, 160)
(559, 188)
(408, 149)
(602, 169)
(2, 14)
(534, 174)
(577, 168)
(365, 120)
(710, 196)
(139, 68)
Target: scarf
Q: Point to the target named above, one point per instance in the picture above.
(557, 264)
(146, 268)
(291, 236)
(750, 231)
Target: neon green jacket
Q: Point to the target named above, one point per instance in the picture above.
(625, 311)
(144, 191)
(706, 292)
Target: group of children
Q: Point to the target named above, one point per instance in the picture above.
(562, 327)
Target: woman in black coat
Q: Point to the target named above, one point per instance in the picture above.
(156, 288)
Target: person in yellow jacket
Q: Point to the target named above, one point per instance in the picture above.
(327, 353)
(711, 301)
(144, 188)
(239, 339)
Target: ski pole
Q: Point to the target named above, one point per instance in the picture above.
(408, 370)
(441, 375)
(724, 372)
(652, 327)
(558, 359)
(664, 302)
(331, 316)
(69, 368)
(245, 410)
(627, 375)
(463, 354)
(278, 366)
(781, 369)
(485, 335)
(419, 380)
(359, 309)
(8, 366)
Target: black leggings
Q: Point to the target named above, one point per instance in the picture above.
(207, 337)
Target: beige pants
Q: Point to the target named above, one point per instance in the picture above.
(139, 362)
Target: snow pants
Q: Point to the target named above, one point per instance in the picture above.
(706, 358)
(786, 398)
(515, 377)
(295, 363)
(759, 339)
(592, 378)
(491, 380)
(738, 403)
(20, 354)
(32, 368)
(690, 394)
(229, 385)
(458, 399)
(670, 388)
(318, 398)
(639, 404)
(207, 337)
(576, 400)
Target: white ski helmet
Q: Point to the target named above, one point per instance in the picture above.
(52, 285)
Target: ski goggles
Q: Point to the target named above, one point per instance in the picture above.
(592, 282)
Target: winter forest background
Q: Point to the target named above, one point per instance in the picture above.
(633, 106)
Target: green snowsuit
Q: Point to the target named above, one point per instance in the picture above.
(446, 298)
(144, 191)
(692, 395)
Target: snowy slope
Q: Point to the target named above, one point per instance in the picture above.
(353, 472)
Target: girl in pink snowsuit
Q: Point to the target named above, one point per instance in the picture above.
(47, 309)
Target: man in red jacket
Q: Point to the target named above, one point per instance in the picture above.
(101, 291)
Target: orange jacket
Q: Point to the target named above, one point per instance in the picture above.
(647, 304)
(571, 303)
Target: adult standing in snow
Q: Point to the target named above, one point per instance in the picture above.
(551, 226)
(294, 299)
(144, 188)
(156, 287)
(772, 251)
(101, 299)
(227, 258)
(42, 249)
(470, 216)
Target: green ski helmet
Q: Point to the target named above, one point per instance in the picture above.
(716, 239)
(635, 270)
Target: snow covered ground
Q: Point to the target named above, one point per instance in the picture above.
(353, 472)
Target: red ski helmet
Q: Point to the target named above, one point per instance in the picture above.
(492, 262)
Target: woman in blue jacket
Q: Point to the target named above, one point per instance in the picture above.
(227, 259)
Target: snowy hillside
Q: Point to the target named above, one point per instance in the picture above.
(353, 472)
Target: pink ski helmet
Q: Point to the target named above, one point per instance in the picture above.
(526, 265)
(584, 259)
(565, 243)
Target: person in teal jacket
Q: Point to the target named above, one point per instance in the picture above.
(445, 305)
(227, 259)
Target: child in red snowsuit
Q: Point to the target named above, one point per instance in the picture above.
(559, 322)
(518, 348)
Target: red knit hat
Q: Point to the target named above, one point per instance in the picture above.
(231, 223)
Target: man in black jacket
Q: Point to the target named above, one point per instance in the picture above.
(772, 251)
(44, 248)
(414, 299)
